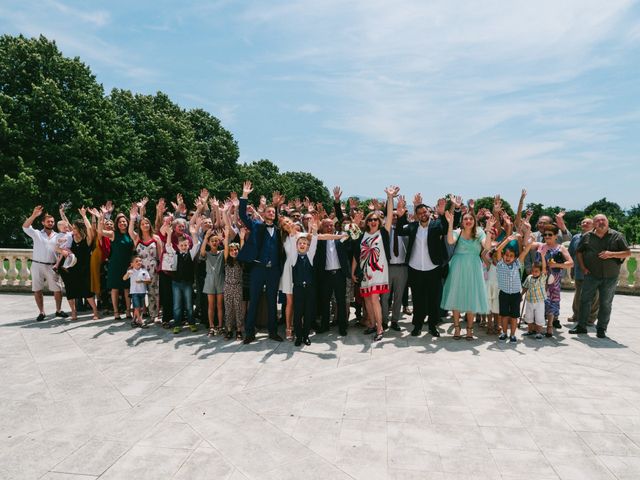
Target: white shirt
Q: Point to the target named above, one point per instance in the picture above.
(136, 278)
(420, 258)
(402, 248)
(333, 262)
(44, 246)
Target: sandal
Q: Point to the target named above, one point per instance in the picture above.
(238, 335)
(142, 325)
(377, 337)
(456, 332)
(228, 335)
(469, 335)
(212, 332)
(289, 334)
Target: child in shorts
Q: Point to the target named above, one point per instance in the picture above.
(140, 278)
(534, 291)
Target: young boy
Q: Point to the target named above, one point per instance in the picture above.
(534, 292)
(508, 269)
(140, 278)
(63, 242)
(182, 281)
(304, 286)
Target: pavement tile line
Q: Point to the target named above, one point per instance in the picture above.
(291, 410)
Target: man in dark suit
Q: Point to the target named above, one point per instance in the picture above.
(426, 256)
(333, 263)
(264, 251)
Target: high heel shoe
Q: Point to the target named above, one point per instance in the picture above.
(469, 335)
(456, 332)
(289, 334)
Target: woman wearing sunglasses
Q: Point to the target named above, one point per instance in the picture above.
(370, 263)
(558, 259)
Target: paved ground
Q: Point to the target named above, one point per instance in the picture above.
(96, 399)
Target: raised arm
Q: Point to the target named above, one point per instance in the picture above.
(244, 199)
(503, 244)
(392, 192)
(337, 206)
(520, 207)
(37, 211)
(160, 209)
(133, 215)
(87, 225)
(205, 241)
(449, 217)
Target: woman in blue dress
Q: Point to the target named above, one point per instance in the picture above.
(464, 289)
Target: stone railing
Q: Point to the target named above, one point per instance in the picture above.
(15, 272)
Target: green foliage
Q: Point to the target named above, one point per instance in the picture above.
(63, 139)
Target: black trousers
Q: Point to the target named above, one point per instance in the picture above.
(166, 297)
(426, 291)
(333, 282)
(304, 309)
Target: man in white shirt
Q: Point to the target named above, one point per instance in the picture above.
(43, 260)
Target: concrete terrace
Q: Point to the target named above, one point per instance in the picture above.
(96, 399)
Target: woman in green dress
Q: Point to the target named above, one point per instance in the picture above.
(464, 289)
(121, 251)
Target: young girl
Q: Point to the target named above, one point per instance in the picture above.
(214, 281)
(233, 302)
(489, 260)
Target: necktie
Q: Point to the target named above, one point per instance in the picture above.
(395, 242)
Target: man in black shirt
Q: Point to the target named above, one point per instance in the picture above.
(600, 254)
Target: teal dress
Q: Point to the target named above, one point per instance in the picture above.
(464, 289)
(121, 251)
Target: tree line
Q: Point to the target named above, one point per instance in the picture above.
(63, 139)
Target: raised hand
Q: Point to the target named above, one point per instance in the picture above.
(401, 209)
(204, 195)
(94, 212)
(337, 193)
(449, 216)
(242, 233)
(417, 199)
(133, 212)
(456, 200)
(392, 191)
(472, 203)
(246, 189)
(497, 203)
(506, 219)
(161, 207)
(277, 199)
(37, 211)
(523, 194)
(297, 203)
(440, 206)
(143, 202)
(83, 211)
(491, 223)
(109, 206)
(353, 203)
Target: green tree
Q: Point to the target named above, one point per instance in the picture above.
(612, 210)
(487, 202)
(53, 131)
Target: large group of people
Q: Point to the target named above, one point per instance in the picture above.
(228, 264)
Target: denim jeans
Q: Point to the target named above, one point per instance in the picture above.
(606, 287)
(182, 300)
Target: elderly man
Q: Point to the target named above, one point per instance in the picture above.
(586, 225)
(600, 254)
(44, 258)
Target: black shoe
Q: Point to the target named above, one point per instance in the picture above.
(395, 327)
(434, 332)
(275, 336)
(601, 333)
(416, 331)
(557, 324)
(41, 317)
(62, 314)
(298, 342)
(322, 330)
(377, 337)
(369, 330)
(248, 339)
(306, 341)
(576, 330)
(385, 326)
(343, 332)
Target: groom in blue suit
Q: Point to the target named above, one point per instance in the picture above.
(265, 252)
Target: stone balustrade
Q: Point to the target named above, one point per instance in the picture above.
(15, 272)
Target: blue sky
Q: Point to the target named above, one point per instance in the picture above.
(436, 96)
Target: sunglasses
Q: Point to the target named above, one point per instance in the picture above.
(549, 235)
(373, 220)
